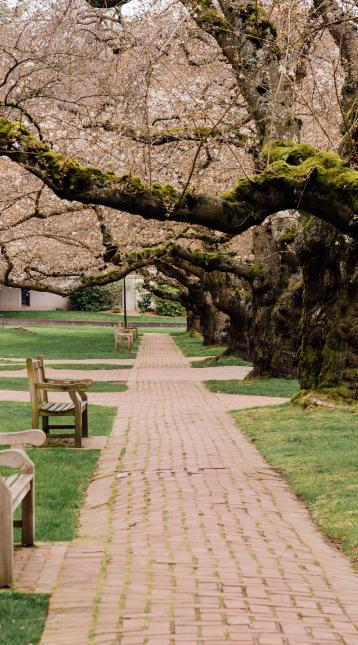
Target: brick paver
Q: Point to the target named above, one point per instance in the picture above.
(36, 568)
(188, 536)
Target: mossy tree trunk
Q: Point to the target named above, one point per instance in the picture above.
(329, 352)
(193, 321)
(232, 296)
(276, 299)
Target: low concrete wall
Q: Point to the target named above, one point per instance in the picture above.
(32, 322)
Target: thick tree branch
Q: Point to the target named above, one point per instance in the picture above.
(343, 29)
(298, 177)
(231, 135)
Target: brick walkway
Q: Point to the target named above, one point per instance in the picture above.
(188, 537)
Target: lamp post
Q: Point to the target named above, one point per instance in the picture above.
(125, 303)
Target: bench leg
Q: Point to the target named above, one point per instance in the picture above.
(35, 419)
(27, 536)
(6, 542)
(78, 427)
(85, 422)
(45, 423)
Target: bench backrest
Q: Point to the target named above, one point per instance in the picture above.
(36, 374)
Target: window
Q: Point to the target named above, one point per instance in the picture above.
(25, 297)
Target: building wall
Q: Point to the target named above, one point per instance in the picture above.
(10, 300)
(133, 282)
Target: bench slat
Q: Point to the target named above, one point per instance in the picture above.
(57, 407)
(19, 489)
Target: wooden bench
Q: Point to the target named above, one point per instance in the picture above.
(16, 489)
(42, 408)
(123, 340)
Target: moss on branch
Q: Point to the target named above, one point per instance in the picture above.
(257, 25)
(320, 182)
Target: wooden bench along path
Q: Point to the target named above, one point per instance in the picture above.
(16, 489)
(39, 386)
(124, 337)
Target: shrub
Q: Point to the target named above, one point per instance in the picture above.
(88, 299)
(168, 307)
(144, 301)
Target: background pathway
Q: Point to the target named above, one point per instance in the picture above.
(187, 536)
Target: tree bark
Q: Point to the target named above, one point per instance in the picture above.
(329, 352)
(277, 303)
(322, 183)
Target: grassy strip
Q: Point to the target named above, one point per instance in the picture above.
(316, 451)
(61, 343)
(225, 361)
(260, 387)
(22, 618)
(88, 315)
(62, 474)
(193, 345)
(11, 366)
(88, 366)
(21, 384)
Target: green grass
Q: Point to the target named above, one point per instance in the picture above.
(11, 366)
(62, 474)
(260, 387)
(21, 384)
(225, 361)
(67, 366)
(88, 366)
(193, 345)
(108, 386)
(22, 618)
(87, 315)
(316, 450)
(61, 342)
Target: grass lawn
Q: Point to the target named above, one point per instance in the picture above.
(61, 342)
(22, 618)
(193, 345)
(88, 315)
(316, 450)
(88, 366)
(62, 474)
(11, 366)
(221, 362)
(15, 383)
(261, 387)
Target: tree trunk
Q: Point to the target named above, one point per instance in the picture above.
(329, 351)
(213, 325)
(213, 322)
(239, 340)
(192, 321)
(276, 299)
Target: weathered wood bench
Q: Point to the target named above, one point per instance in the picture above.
(123, 340)
(124, 337)
(16, 489)
(42, 408)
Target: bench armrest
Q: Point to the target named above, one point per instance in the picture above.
(85, 384)
(15, 458)
(33, 437)
(63, 386)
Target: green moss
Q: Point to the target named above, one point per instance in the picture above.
(209, 16)
(257, 271)
(289, 151)
(11, 129)
(288, 236)
(327, 396)
(291, 165)
(256, 22)
(166, 192)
